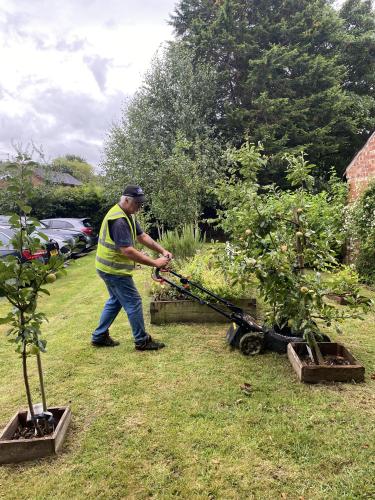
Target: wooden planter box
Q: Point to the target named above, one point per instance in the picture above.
(315, 373)
(188, 311)
(20, 450)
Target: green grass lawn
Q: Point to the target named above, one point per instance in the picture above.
(175, 423)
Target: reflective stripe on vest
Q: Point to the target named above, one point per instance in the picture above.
(115, 265)
(107, 245)
(109, 258)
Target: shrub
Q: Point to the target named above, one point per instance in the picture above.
(276, 238)
(205, 269)
(362, 226)
(83, 201)
(345, 281)
(49, 201)
(184, 242)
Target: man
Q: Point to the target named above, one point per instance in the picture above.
(115, 262)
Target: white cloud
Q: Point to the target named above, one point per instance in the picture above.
(68, 66)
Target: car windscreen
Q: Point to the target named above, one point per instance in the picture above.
(60, 224)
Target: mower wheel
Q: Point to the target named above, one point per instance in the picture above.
(251, 343)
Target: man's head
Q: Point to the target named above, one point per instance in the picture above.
(132, 199)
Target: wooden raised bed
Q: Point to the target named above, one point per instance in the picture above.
(297, 354)
(20, 450)
(187, 311)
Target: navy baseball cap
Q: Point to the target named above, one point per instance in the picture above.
(135, 192)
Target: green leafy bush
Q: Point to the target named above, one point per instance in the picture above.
(83, 201)
(184, 242)
(205, 269)
(50, 201)
(345, 281)
(278, 237)
(361, 221)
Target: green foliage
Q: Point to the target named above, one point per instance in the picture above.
(48, 202)
(175, 194)
(280, 238)
(183, 242)
(361, 221)
(345, 281)
(82, 201)
(295, 75)
(358, 52)
(74, 165)
(165, 141)
(205, 269)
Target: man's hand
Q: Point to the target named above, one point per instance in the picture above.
(161, 262)
(167, 254)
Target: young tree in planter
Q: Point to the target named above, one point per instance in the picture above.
(21, 282)
(279, 236)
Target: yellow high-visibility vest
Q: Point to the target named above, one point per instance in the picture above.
(109, 258)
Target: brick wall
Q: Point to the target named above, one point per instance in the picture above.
(362, 169)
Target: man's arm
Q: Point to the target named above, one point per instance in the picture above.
(148, 242)
(119, 231)
(133, 254)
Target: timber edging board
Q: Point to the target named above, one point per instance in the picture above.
(318, 373)
(188, 311)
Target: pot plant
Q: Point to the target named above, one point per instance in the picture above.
(168, 305)
(289, 240)
(39, 430)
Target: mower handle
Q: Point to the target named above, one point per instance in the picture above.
(186, 281)
(156, 275)
(236, 313)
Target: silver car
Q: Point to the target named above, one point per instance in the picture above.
(74, 224)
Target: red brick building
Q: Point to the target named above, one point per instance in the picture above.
(361, 170)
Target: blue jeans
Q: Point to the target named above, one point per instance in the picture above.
(122, 293)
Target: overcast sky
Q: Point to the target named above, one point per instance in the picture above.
(67, 66)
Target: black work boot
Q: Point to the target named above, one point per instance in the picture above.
(149, 345)
(107, 341)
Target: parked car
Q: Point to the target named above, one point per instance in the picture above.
(47, 250)
(70, 224)
(70, 242)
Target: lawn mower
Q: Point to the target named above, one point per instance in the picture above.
(244, 333)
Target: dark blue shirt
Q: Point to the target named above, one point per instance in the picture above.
(121, 233)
